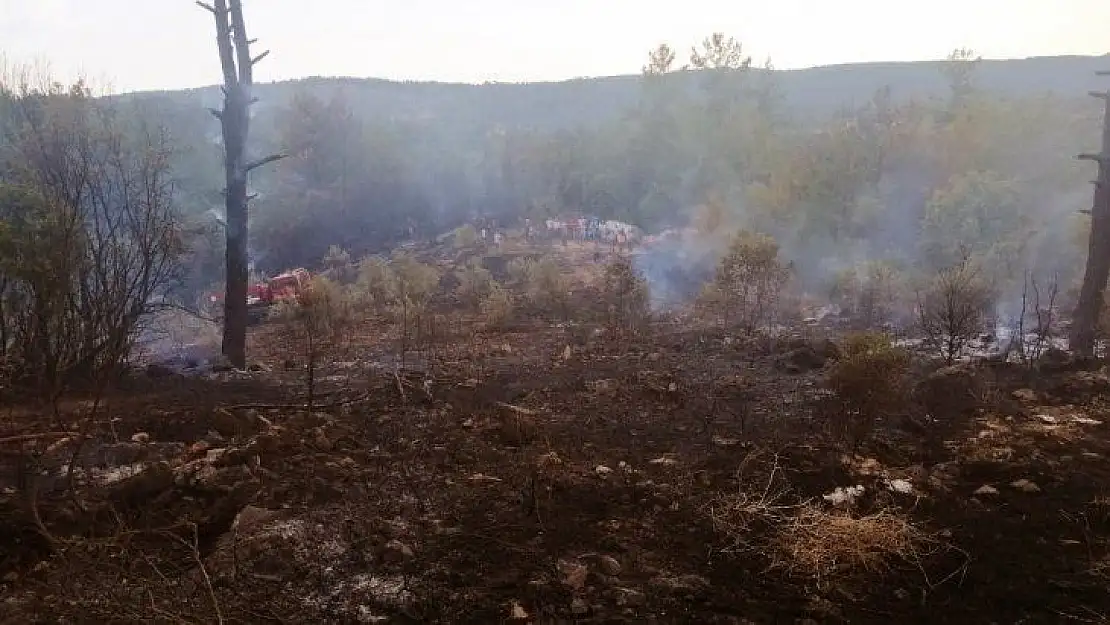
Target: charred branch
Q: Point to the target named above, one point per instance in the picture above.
(263, 161)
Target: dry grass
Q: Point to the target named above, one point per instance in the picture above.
(820, 544)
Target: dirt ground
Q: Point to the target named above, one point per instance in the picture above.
(554, 474)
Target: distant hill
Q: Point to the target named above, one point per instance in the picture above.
(554, 105)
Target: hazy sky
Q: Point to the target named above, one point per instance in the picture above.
(145, 44)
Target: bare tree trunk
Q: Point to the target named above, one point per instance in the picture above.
(238, 66)
(1091, 295)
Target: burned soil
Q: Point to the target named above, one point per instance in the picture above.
(556, 473)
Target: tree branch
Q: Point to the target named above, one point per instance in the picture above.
(258, 58)
(263, 161)
(217, 113)
(207, 7)
(1098, 158)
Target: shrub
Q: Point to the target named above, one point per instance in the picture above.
(626, 295)
(376, 284)
(338, 260)
(475, 282)
(868, 382)
(521, 270)
(316, 321)
(497, 306)
(547, 287)
(465, 236)
(953, 308)
(748, 283)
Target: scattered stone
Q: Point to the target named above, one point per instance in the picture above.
(681, 583)
(517, 612)
(579, 607)
(396, 552)
(251, 517)
(1025, 486)
(628, 597)
(602, 470)
(1025, 394)
(1085, 420)
(1047, 418)
(140, 437)
(844, 496)
(609, 565)
(900, 486)
(664, 461)
(574, 573)
(722, 441)
(800, 360)
(985, 490)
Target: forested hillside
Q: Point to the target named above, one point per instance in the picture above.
(907, 163)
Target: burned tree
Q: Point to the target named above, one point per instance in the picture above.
(1088, 308)
(238, 66)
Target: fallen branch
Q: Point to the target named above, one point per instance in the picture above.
(517, 409)
(23, 438)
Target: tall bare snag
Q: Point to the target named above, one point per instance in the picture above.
(238, 70)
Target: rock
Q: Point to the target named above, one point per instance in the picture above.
(579, 607)
(1025, 486)
(985, 490)
(1054, 359)
(574, 573)
(252, 517)
(320, 440)
(609, 565)
(1024, 394)
(220, 364)
(800, 360)
(602, 470)
(900, 486)
(517, 612)
(664, 462)
(690, 584)
(628, 597)
(396, 552)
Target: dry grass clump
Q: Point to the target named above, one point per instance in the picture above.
(820, 544)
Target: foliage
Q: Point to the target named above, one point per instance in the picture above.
(414, 285)
(953, 308)
(466, 236)
(475, 283)
(376, 283)
(870, 292)
(626, 295)
(868, 382)
(497, 306)
(338, 260)
(749, 281)
(314, 322)
(547, 288)
(90, 238)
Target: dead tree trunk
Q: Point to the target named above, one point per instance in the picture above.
(1091, 294)
(238, 66)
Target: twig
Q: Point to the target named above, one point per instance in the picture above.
(400, 387)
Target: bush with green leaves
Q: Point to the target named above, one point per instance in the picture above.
(376, 284)
(497, 306)
(475, 283)
(749, 282)
(465, 237)
(316, 321)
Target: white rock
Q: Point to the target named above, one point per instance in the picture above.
(986, 490)
(1025, 486)
(602, 470)
(900, 486)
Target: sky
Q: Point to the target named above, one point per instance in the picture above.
(128, 45)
